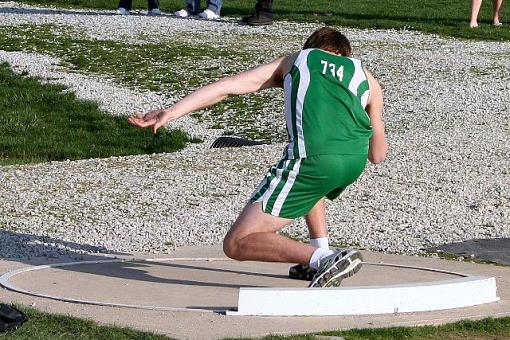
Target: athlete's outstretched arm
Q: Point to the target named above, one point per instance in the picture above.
(378, 147)
(256, 79)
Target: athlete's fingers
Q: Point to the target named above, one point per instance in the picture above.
(135, 117)
(135, 121)
(143, 122)
(132, 120)
(155, 127)
(150, 119)
(147, 123)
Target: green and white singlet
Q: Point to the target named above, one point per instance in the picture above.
(329, 132)
(325, 100)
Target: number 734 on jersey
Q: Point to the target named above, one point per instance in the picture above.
(336, 71)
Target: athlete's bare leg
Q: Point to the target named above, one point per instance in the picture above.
(475, 9)
(253, 237)
(316, 220)
(496, 8)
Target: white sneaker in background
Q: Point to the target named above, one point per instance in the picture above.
(154, 12)
(183, 13)
(122, 11)
(209, 15)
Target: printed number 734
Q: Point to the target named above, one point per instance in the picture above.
(335, 72)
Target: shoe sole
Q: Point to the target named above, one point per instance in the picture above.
(300, 272)
(342, 268)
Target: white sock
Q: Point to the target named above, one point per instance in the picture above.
(321, 242)
(317, 255)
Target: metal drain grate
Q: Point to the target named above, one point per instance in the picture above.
(233, 142)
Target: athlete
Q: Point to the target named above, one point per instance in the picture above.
(333, 108)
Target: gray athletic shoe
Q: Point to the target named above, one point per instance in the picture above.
(336, 267)
(154, 12)
(122, 11)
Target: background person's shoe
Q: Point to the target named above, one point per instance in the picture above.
(336, 267)
(154, 12)
(300, 272)
(122, 11)
(257, 20)
(208, 14)
(183, 13)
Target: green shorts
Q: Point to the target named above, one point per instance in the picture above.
(293, 186)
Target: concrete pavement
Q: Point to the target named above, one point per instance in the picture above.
(192, 290)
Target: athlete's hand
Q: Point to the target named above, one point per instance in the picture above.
(154, 119)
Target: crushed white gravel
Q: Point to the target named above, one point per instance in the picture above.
(447, 110)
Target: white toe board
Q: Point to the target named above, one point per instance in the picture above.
(426, 296)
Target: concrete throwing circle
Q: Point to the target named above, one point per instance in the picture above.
(236, 288)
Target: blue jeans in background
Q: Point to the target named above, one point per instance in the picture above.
(193, 6)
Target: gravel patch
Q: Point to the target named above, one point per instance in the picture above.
(446, 179)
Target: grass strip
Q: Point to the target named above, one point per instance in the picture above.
(175, 72)
(43, 325)
(152, 66)
(52, 326)
(444, 17)
(41, 123)
(488, 328)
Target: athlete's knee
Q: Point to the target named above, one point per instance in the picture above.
(232, 244)
(231, 247)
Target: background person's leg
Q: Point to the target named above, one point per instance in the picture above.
(215, 6)
(475, 9)
(126, 4)
(496, 8)
(152, 4)
(253, 237)
(193, 6)
(264, 8)
(263, 14)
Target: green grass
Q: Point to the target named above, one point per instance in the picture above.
(444, 17)
(51, 326)
(489, 328)
(134, 66)
(146, 66)
(40, 123)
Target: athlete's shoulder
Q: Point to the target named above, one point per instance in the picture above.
(302, 55)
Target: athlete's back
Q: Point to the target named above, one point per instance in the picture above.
(325, 100)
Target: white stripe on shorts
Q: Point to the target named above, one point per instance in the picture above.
(273, 184)
(277, 207)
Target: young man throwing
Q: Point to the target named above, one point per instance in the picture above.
(333, 109)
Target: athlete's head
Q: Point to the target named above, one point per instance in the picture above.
(331, 40)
